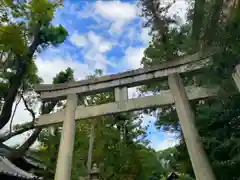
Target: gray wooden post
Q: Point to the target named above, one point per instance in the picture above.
(91, 144)
(64, 162)
(201, 165)
(121, 94)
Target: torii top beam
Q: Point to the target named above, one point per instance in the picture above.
(129, 79)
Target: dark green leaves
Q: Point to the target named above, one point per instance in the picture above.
(53, 35)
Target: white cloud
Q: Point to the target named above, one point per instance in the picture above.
(91, 40)
(133, 57)
(179, 9)
(116, 10)
(78, 40)
(117, 27)
(99, 43)
(169, 140)
(48, 68)
(95, 47)
(116, 13)
(144, 35)
(119, 13)
(96, 60)
(159, 140)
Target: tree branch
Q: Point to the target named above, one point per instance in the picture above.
(15, 108)
(46, 109)
(29, 109)
(28, 127)
(16, 81)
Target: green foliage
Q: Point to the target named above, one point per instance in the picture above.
(31, 77)
(4, 88)
(39, 7)
(53, 35)
(64, 76)
(25, 31)
(218, 123)
(12, 39)
(217, 119)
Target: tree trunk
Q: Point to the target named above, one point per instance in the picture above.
(15, 84)
(210, 30)
(197, 22)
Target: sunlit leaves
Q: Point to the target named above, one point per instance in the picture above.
(12, 39)
(31, 77)
(42, 11)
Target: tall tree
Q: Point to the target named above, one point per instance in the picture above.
(25, 31)
(30, 31)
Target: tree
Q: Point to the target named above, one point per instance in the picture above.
(25, 31)
(172, 161)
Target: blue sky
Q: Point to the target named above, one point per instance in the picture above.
(106, 35)
(102, 34)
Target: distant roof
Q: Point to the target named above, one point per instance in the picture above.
(6, 167)
(173, 175)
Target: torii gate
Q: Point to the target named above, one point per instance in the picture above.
(119, 83)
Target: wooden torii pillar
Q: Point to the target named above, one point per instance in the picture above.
(201, 165)
(64, 161)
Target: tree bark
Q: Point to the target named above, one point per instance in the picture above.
(210, 31)
(11, 94)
